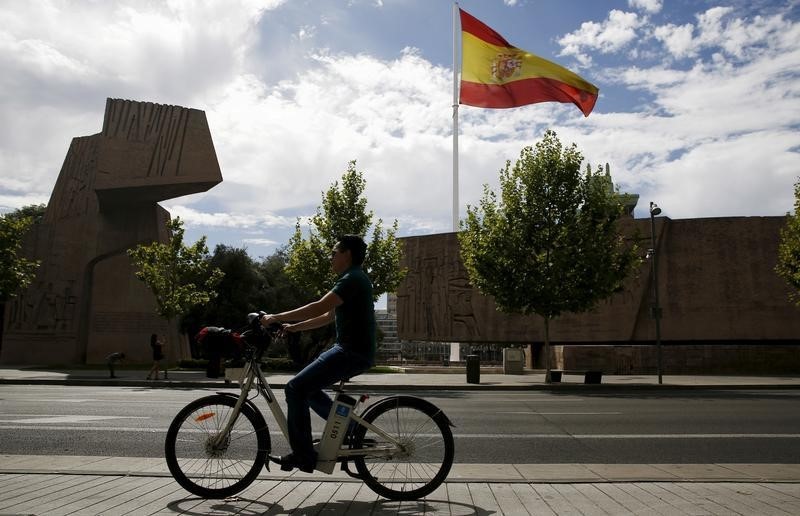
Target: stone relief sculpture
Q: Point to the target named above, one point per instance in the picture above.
(721, 301)
(85, 301)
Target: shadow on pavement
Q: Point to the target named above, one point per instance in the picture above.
(238, 505)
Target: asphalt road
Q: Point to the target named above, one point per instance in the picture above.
(611, 427)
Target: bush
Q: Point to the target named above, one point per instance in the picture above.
(278, 364)
(272, 364)
(269, 364)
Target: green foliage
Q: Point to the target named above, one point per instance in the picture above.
(179, 276)
(789, 248)
(549, 243)
(279, 293)
(344, 211)
(236, 291)
(16, 272)
(247, 286)
(35, 212)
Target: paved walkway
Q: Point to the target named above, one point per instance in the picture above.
(126, 485)
(116, 485)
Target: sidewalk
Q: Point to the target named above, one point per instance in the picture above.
(411, 379)
(118, 485)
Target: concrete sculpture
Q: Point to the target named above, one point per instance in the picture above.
(85, 301)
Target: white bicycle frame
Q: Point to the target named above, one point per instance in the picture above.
(328, 456)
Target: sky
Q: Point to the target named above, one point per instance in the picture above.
(699, 105)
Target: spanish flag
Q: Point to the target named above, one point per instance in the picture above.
(495, 74)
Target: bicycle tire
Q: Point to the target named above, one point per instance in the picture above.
(212, 471)
(426, 454)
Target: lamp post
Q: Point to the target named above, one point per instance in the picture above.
(655, 210)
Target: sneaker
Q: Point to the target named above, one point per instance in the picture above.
(290, 462)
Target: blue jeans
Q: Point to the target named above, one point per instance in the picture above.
(304, 391)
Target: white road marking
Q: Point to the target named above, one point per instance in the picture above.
(67, 419)
(457, 436)
(57, 400)
(543, 400)
(628, 436)
(562, 413)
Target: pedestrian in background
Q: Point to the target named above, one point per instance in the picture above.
(158, 355)
(111, 360)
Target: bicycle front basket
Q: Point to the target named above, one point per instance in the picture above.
(214, 342)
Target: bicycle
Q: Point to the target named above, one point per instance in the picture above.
(402, 446)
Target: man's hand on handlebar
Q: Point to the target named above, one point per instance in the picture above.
(269, 320)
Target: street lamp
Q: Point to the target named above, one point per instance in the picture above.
(655, 210)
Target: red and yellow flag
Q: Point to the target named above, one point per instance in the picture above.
(495, 74)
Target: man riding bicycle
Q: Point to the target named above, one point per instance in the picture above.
(350, 304)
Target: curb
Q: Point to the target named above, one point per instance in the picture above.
(162, 384)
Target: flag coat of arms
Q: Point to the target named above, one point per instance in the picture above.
(495, 74)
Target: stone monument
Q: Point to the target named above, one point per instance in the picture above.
(85, 301)
(725, 310)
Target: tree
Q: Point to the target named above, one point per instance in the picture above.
(789, 248)
(344, 211)
(179, 276)
(549, 244)
(249, 285)
(236, 291)
(279, 292)
(35, 212)
(16, 272)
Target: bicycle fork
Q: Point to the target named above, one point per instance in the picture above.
(223, 435)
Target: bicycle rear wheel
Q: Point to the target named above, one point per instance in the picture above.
(425, 454)
(206, 466)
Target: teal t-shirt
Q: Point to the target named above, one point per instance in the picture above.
(355, 317)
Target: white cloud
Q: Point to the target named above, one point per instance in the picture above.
(678, 39)
(712, 178)
(719, 140)
(61, 60)
(735, 37)
(260, 242)
(305, 32)
(280, 147)
(228, 219)
(649, 6)
(165, 51)
(611, 35)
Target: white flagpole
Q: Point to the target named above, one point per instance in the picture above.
(455, 347)
(455, 118)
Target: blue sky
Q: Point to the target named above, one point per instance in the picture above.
(699, 107)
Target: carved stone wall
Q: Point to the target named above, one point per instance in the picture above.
(716, 282)
(85, 301)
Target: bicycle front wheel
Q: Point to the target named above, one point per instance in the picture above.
(210, 465)
(421, 460)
